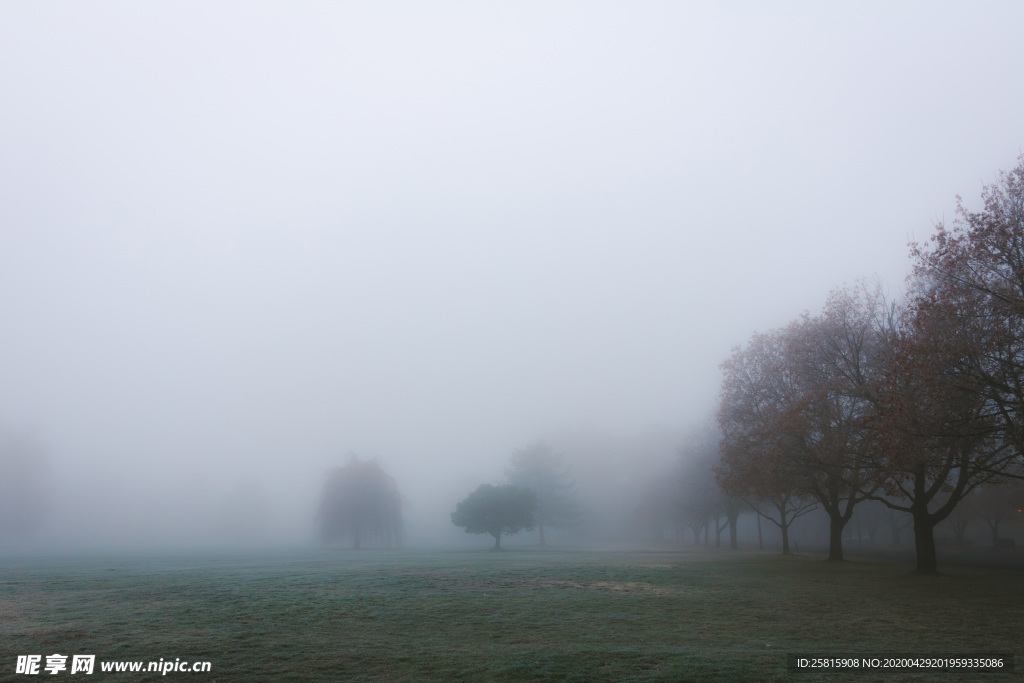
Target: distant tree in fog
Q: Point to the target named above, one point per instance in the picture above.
(660, 506)
(360, 504)
(898, 522)
(23, 485)
(701, 501)
(496, 510)
(543, 471)
(960, 519)
(871, 515)
(1000, 505)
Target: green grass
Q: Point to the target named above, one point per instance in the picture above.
(482, 616)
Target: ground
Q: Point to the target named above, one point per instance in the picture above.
(517, 615)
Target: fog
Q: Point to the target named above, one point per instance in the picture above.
(239, 241)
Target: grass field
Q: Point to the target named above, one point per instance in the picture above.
(516, 615)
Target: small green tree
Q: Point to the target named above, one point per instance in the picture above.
(496, 510)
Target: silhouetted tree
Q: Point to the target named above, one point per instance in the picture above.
(543, 471)
(820, 411)
(938, 431)
(950, 405)
(496, 510)
(360, 504)
(831, 358)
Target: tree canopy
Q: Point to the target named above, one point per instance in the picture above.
(360, 504)
(496, 510)
(542, 470)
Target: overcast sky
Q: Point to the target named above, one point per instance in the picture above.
(240, 239)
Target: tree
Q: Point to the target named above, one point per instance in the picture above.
(973, 273)
(361, 504)
(959, 520)
(496, 510)
(831, 357)
(659, 506)
(950, 403)
(700, 500)
(936, 438)
(24, 495)
(758, 463)
(999, 504)
(543, 471)
(872, 515)
(897, 522)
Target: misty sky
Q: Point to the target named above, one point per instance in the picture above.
(238, 240)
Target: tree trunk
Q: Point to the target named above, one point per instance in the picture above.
(995, 533)
(497, 542)
(835, 537)
(924, 542)
(540, 526)
(784, 527)
(732, 530)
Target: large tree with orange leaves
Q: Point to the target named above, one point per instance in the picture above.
(950, 400)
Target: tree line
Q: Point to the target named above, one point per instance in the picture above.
(914, 403)
(360, 503)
